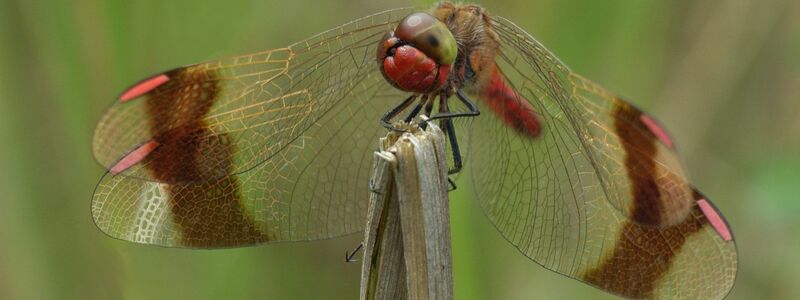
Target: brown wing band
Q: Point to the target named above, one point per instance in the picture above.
(208, 212)
(640, 151)
(642, 254)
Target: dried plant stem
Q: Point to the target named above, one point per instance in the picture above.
(407, 253)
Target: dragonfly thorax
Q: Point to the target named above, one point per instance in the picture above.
(478, 44)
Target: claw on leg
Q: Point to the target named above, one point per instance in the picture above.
(452, 184)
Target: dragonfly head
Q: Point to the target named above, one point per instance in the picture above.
(418, 54)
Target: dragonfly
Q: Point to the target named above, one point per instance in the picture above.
(276, 146)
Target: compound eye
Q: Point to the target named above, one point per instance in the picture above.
(429, 35)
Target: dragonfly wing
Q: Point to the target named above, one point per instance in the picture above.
(258, 104)
(599, 194)
(195, 193)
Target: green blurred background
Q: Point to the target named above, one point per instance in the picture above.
(723, 75)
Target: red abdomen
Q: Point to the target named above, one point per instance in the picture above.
(514, 110)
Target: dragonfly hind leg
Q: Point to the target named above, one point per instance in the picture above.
(449, 129)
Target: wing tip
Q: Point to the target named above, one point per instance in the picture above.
(657, 130)
(714, 217)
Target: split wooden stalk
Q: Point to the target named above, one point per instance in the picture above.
(407, 252)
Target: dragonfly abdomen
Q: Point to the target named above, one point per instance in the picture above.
(514, 110)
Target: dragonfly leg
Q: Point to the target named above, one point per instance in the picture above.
(444, 114)
(386, 120)
(472, 109)
(414, 112)
(348, 256)
(429, 104)
(452, 184)
(446, 124)
(450, 131)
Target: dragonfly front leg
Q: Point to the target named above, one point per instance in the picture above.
(386, 120)
(414, 112)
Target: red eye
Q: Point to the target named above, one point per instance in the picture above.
(416, 57)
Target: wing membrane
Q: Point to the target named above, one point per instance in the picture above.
(599, 195)
(308, 181)
(260, 103)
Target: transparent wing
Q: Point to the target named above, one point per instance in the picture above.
(302, 120)
(600, 194)
(259, 104)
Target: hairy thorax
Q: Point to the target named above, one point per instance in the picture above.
(477, 44)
